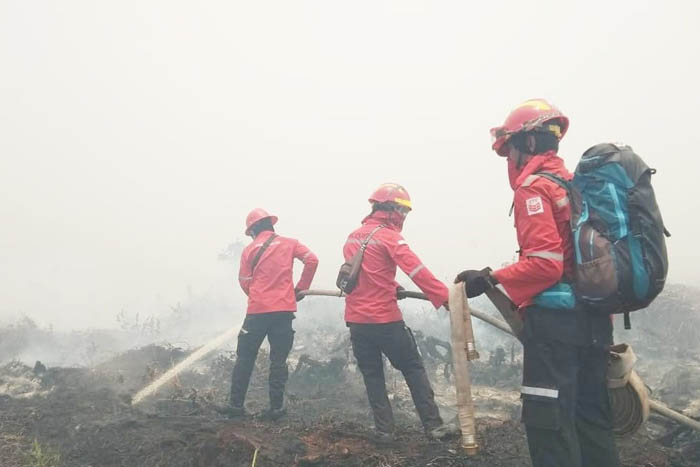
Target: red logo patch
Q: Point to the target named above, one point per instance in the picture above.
(534, 206)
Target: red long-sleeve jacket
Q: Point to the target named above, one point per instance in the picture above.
(374, 298)
(270, 286)
(542, 214)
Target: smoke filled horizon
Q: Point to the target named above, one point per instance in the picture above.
(136, 136)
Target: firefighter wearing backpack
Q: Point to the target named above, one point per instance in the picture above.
(375, 320)
(266, 278)
(566, 410)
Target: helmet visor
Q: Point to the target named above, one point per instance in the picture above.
(403, 210)
(499, 140)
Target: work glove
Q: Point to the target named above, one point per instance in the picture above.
(477, 282)
(298, 295)
(399, 295)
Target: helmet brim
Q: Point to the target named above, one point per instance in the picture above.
(273, 221)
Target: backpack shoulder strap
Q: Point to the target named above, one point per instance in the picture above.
(261, 251)
(573, 197)
(562, 182)
(549, 176)
(556, 179)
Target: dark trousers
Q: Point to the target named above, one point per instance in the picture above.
(277, 326)
(566, 410)
(395, 340)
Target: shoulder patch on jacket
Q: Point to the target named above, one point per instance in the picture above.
(534, 205)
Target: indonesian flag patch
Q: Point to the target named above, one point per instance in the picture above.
(534, 206)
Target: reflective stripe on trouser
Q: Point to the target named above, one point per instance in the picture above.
(566, 410)
(277, 327)
(395, 340)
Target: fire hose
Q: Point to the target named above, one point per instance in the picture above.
(463, 350)
(630, 402)
(512, 327)
(462, 337)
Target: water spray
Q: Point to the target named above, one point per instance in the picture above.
(177, 369)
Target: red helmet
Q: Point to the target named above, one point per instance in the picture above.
(256, 215)
(533, 114)
(391, 192)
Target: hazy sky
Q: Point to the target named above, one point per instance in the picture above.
(136, 135)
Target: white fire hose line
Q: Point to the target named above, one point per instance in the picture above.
(177, 369)
(654, 405)
(462, 340)
(504, 309)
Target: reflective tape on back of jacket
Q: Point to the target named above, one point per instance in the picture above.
(374, 298)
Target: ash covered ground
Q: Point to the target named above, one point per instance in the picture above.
(74, 407)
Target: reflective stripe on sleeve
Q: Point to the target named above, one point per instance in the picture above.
(245, 278)
(529, 179)
(546, 255)
(415, 271)
(543, 392)
(562, 202)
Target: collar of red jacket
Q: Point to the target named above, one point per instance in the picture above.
(545, 162)
(391, 219)
(264, 235)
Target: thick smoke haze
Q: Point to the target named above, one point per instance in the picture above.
(135, 136)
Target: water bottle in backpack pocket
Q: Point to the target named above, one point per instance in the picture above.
(560, 296)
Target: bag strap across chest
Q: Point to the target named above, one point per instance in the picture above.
(260, 252)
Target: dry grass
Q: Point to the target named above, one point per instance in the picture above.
(42, 456)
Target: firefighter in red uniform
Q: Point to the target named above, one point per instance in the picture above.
(266, 277)
(566, 410)
(373, 316)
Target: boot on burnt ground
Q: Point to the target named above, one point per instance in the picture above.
(272, 415)
(383, 437)
(232, 411)
(444, 431)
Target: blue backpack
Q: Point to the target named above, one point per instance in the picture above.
(618, 233)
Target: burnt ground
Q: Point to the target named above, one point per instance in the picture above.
(85, 416)
(82, 416)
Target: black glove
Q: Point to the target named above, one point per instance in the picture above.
(298, 295)
(477, 282)
(399, 295)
